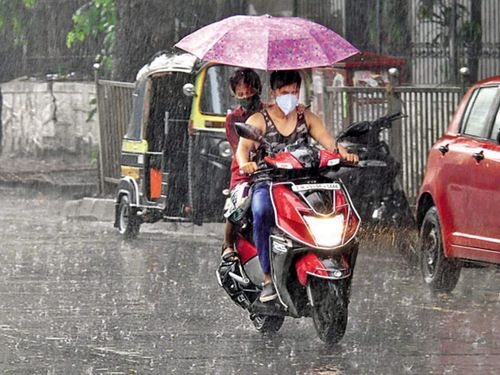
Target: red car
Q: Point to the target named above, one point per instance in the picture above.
(458, 207)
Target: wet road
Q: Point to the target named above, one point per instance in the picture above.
(76, 299)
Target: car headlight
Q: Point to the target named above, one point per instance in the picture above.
(326, 231)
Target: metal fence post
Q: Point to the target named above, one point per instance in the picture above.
(465, 78)
(100, 167)
(394, 105)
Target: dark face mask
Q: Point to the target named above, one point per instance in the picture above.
(250, 104)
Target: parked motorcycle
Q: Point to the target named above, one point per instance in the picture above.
(375, 188)
(313, 246)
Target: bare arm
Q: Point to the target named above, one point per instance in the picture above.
(245, 146)
(319, 132)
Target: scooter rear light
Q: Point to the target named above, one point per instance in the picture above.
(191, 127)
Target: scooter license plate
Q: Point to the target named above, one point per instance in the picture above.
(307, 187)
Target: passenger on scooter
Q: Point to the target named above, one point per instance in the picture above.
(246, 87)
(282, 125)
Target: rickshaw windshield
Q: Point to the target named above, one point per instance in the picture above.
(216, 96)
(135, 122)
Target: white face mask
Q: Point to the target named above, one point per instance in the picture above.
(287, 103)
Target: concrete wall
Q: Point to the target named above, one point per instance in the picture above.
(43, 118)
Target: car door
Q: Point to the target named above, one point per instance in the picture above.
(473, 191)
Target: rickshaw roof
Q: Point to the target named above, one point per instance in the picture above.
(184, 62)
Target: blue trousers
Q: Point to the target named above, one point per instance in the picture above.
(263, 220)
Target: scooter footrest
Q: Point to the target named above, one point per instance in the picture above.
(267, 308)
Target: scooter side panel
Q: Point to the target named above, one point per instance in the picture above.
(249, 260)
(287, 217)
(281, 263)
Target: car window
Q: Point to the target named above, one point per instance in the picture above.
(496, 126)
(477, 112)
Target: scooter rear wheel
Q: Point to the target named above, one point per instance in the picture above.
(330, 298)
(268, 323)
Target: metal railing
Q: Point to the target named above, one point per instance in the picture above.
(114, 104)
(429, 110)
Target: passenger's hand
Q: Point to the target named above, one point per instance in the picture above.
(351, 158)
(248, 168)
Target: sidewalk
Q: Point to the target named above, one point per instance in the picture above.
(76, 180)
(102, 209)
(66, 176)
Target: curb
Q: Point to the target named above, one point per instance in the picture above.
(93, 209)
(102, 209)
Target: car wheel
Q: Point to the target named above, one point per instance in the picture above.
(439, 273)
(128, 220)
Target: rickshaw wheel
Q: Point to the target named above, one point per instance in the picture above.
(129, 222)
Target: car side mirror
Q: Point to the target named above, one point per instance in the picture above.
(498, 137)
(188, 89)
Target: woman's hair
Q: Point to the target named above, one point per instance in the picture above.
(247, 76)
(280, 78)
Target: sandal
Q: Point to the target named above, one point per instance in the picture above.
(228, 255)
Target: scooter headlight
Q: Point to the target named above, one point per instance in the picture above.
(326, 231)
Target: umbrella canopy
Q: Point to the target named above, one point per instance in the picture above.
(267, 43)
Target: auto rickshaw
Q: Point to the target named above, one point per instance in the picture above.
(175, 159)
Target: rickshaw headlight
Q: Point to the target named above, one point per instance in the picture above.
(225, 149)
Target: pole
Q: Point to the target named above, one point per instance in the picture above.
(395, 106)
(453, 43)
(100, 166)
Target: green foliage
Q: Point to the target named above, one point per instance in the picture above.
(11, 16)
(440, 12)
(95, 19)
(29, 3)
(93, 109)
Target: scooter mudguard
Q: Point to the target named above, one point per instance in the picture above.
(329, 268)
(309, 263)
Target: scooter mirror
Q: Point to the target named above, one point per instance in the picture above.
(248, 132)
(188, 89)
(357, 129)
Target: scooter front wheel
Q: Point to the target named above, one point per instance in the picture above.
(329, 310)
(267, 323)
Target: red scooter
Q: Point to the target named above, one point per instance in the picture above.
(313, 246)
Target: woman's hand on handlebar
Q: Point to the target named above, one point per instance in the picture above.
(350, 158)
(248, 167)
